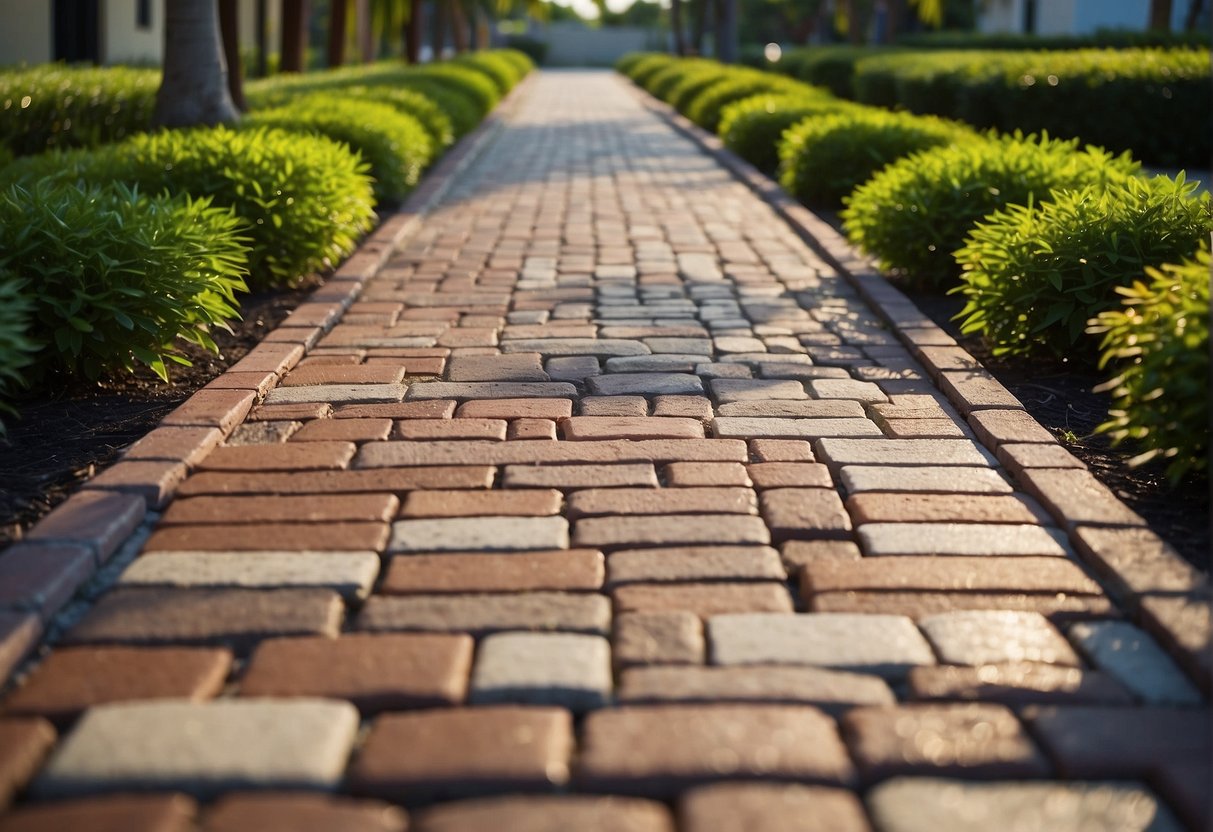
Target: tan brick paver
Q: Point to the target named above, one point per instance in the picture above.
(605, 437)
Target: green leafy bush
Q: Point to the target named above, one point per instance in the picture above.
(470, 82)
(436, 122)
(117, 278)
(519, 57)
(629, 61)
(753, 127)
(503, 72)
(1116, 99)
(642, 70)
(394, 143)
(54, 106)
(1158, 345)
(823, 159)
(832, 67)
(461, 107)
(705, 108)
(305, 199)
(913, 214)
(17, 349)
(1034, 274)
(1100, 39)
(667, 84)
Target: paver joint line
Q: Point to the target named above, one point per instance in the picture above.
(604, 475)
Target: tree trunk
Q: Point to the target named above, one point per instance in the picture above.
(364, 31)
(261, 36)
(229, 31)
(459, 27)
(726, 31)
(1195, 7)
(438, 29)
(1160, 15)
(338, 15)
(699, 25)
(855, 21)
(294, 35)
(412, 32)
(680, 47)
(194, 88)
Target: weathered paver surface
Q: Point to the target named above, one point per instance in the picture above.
(608, 505)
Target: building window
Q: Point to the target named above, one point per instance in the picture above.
(143, 14)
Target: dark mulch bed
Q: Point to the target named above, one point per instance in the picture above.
(64, 437)
(1059, 397)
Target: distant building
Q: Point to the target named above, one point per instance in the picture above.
(1072, 17)
(99, 31)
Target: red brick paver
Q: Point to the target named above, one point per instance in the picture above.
(606, 487)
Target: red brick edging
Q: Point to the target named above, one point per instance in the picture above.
(41, 573)
(1167, 595)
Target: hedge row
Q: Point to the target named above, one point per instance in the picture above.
(109, 254)
(1040, 235)
(1152, 102)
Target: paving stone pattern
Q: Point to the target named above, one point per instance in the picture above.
(608, 505)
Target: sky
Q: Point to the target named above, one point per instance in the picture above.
(589, 11)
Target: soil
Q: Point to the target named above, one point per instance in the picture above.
(64, 437)
(1060, 397)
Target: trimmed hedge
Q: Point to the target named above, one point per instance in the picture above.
(460, 106)
(433, 118)
(115, 278)
(705, 108)
(17, 349)
(1158, 342)
(752, 128)
(1116, 99)
(53, 106)
(472, 83)
(1035, 274)
(498, 69)
(305, 199)
(913, 214)
(394, 143)
(823, 159)
(832, 67)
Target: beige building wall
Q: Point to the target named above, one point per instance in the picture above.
(25, 32)
(123, 41)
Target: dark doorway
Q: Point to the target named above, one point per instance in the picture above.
(77, 31)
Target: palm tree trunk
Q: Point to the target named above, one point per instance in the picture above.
(261, 36)
(699, 25)
(338, 15)
(459, 27)
(194, 87)
(1160, 15)
(1195, 7)
(294, 35)
(726, 31)
(680, 46)
(438, 30)
(412, 32)
(364, 31)
(229, 31)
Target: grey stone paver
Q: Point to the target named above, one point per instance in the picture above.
(887, 645)
(1135, 660)
(565, 669)
(204, 748)
(597, 309)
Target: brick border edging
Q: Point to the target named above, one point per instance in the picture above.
(64, 550)
(1167, 595)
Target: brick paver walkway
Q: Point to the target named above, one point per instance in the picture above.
(608, 485)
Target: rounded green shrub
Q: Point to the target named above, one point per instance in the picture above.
(117, 278)
(644, 69)
(753, 127)
(1034, 274)
(412, 103)
(54, 106)
(823, 159)
(630, 60)
(460, 106)
(914, 213)
(17, 349)
(705, 108)
(497, 69)
(692, 84)
(1157, 343)
(472, 83)
(663, 82)
(520, 59)
(394, 143)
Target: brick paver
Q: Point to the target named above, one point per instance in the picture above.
(605, 487)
